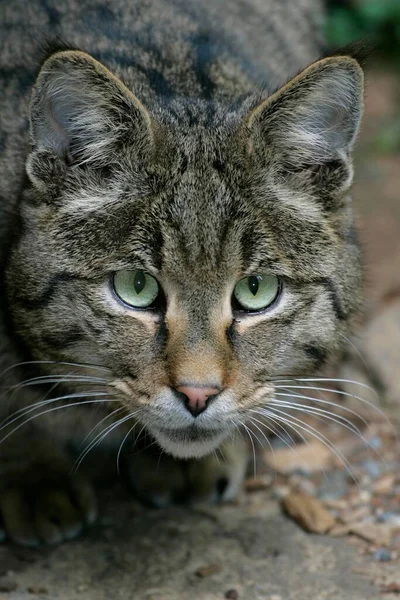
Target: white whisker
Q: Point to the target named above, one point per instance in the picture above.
(328, 380)
(122, 445)
(52, 362)
(315, 433)
(109, 416)
(249, 432)
(98, 439)
(69, 405)
(348, 341)
(348, 395)
(22, 412)
(315, 410)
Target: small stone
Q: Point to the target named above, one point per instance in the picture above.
(334, 486)
(280, 491)
(372, 467)
(208, 570)
(306, 486)
(375, 442)
(364, 496)
(385, 484)
(7, 585)
(382, 555)
(392, 588)
(389, 518)
(232, 595)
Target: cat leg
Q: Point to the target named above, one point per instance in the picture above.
(41, 501)
(160, 480)
(218, 477)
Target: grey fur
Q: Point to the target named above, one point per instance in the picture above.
(174, 156)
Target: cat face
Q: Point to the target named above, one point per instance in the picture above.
(197, 262)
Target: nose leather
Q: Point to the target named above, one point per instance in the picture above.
(196, 397)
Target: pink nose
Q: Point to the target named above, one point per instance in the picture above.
(196, 397)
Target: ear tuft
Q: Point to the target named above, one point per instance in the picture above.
(80, 111)
(315, 117)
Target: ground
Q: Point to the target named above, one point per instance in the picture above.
(252, 550)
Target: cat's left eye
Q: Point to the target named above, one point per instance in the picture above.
(138, 289)
(256, 292)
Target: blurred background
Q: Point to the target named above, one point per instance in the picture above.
(377, 189)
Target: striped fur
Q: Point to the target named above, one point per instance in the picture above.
(167, 149)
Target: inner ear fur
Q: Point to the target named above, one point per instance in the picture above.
(315, 117)
(80, 111)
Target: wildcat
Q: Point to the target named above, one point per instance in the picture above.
(176, 238)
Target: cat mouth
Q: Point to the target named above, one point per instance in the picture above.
(190, 434)
(188, 442)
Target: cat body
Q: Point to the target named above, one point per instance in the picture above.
(182, 242)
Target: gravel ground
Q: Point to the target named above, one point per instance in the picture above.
(186, 555)
(252, 550)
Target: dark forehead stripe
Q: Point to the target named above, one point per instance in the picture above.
(51, 288)
(204, 53)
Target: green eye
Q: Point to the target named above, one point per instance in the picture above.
(136, 288)
(256, 292)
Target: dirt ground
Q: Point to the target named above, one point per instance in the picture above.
(251, 550)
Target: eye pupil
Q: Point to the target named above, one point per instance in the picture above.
(139, 281)
(253, 284)
(257, 292)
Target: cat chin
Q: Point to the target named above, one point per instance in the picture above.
(188, 449)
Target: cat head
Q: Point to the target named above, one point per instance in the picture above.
(199, 254)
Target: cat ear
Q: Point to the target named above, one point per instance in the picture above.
(313, 119)
(80, 112)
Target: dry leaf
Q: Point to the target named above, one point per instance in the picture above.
(339, 530)
(312, 457)
(385, 484)
(378, 533)
(309, 512)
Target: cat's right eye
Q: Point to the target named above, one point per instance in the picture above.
(256, 293)
(137, 289)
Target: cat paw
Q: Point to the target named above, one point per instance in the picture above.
(46, 509)
(218, 477)
(160, 480)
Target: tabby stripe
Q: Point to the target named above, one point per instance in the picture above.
(337, 306)
(204, 53)
(49, 292)
(318, 354)
(62, 340)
